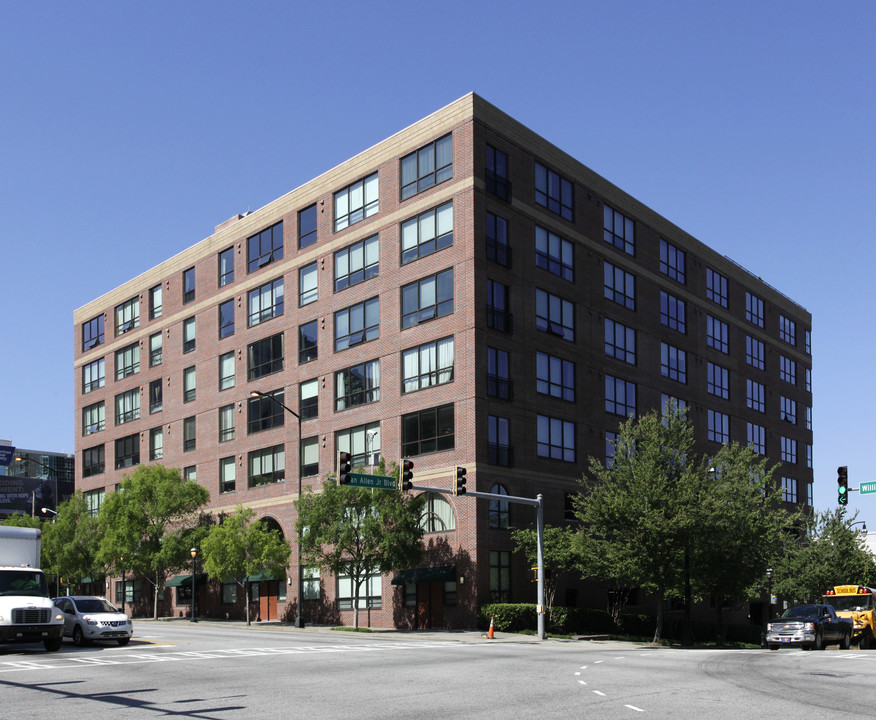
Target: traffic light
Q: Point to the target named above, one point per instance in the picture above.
(460, 481)
(842, 479)
(407, 475)
(344, 468)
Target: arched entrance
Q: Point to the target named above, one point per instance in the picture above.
(267, 593)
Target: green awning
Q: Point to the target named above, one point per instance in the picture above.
(418, 575)
(181, 580)
(260, 577)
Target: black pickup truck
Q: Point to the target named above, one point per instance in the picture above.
(811, 627)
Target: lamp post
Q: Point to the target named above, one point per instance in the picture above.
(769, 593)
(299, 622)
(862, 523)
(122, 564)
(194, 553)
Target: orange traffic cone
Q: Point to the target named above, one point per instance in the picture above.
(490, 634)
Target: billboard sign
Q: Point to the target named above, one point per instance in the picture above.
(24, 495)
(7, 453)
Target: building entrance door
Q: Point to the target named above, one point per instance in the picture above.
(430, 605)
(268, 600)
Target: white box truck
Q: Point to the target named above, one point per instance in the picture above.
(27, 613)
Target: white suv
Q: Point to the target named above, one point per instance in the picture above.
(88, 618)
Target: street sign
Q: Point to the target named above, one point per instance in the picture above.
(377, 482)
(868, 488)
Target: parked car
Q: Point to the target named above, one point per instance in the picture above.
(88, 618)
(811, 627)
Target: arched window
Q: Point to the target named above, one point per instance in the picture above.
(437, 515)
(499, 508)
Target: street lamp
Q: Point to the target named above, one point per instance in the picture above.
(55, 514)
(33, 498)
(122, 563)
(862, 523)
(769, 593)
(299, 622)
(194, 553)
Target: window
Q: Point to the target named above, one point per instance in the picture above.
(155, 396)
(427, 299)
(362, 442)
(428, 166)
(155, 308)
(155, 349)
(190, 386)
(498, 374)
(554, 253)
(787, 330)
(789, 490)
(716, 287)
(226, 267)
(264, 357)
(190, 434)
(312, 589)
(370, 592)
(620, 342)
(226, 319)
(719, 427)
(93, 376)
(437, 514)
(188, 335)
(754, 395)
(807, 342)
(554, 192)
(668, 403)
(226, 423)
(128, 406)
(620, 286)
(808, 418)
(499, 449)
(307, 342)
(673, 363)
(787, 370)
(156, 444)
(356, 202)
(807, 379)
(265, 412)
(498, 315)
(357, 263)
(267, 466)
(310, 457)
(127, 316)
(229, 591)
(357, 324)
(757, 438)
(754, 352)
(127, 361)
(555, 376)
(127, 451)
(753, 309)
(265, 302)
(789, 450)
(427, 365)
(188, 282)
(226, 371)
(496, 173)
(555, 438)
(673, 312)
(308, 289)
(499, 514)
(672, 261)
(716, 334)
(618, 230)
(92, 464)
(718, 381)
(190, 473)
(788, 410)
(265, 247)
(428, 431)
(808, 455)
(500, 576)
(357, 385)
(620, 397)
(93, 418)
(92, 333)
(554, 315)
(308, 399)
(498, 249)
(427, 233)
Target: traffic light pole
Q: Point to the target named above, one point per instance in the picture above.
(539, 530)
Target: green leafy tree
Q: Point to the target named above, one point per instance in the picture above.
(19, 520)
(71, 545)
(356, 532)
(241, 546)
(148, 525)
(559, 555)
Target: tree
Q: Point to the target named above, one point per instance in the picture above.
(71, 545)
(239, 547)
(558, 554)
(148, 525)
(356, 532)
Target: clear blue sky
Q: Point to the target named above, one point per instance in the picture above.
(130, 129)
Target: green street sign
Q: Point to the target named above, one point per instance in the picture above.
(377, 482)
(868, 488)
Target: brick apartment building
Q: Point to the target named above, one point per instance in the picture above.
(463, 293)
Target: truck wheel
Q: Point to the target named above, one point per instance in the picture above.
(846, 641)
(864, 643)
(52, 644)
(79, 637)
(819, 641)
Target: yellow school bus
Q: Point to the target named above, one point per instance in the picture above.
(856, 602)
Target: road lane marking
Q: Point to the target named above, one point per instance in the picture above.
(597, 692)
(633, 707)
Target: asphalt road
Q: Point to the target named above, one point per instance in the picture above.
(214, 672)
